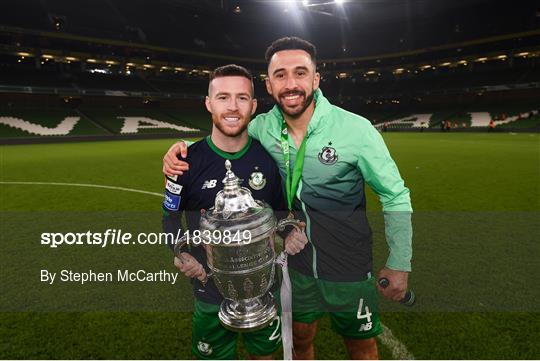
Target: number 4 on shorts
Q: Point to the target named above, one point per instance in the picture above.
(368, 324)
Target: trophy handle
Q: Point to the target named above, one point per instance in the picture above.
(179, 248)
(282, 223)
(289, 221)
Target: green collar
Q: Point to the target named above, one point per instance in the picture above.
(322, 108)
(226, 155)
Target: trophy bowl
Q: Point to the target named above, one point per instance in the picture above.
(244, 269)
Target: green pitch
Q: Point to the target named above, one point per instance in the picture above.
(476, 225)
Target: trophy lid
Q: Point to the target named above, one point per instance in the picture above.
(233, 199)
(235, 209)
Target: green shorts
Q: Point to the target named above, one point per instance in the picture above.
(352, 306)
(210, 340)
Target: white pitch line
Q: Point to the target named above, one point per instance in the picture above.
(398, 349)
(85, 185)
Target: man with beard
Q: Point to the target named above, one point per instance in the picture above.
(326, 155)
(231, 103)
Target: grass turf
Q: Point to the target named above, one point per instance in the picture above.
(476, 199)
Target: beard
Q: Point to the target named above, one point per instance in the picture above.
(296, 113)
(229, 131)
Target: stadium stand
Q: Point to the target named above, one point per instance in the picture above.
(523, 120)
(194, 118)
(413, 121)
(126, 121)
(480, 119)
(67, 74)
(46, 122)
(477, 119)
(85, 120)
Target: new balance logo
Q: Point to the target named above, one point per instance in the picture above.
(366, 326)
(209, 184)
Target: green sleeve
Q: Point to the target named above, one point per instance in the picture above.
(398, 230)
(381, 173)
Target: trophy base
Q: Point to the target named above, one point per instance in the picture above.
(248, 315)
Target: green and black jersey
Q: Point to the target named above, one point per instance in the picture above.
(343, 152)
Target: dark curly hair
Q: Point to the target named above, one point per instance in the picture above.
(291, 43)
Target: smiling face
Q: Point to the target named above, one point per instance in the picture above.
(292, 81)
(230, 101)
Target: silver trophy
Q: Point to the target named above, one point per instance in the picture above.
(238, 234)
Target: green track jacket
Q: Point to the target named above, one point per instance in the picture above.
(343, 152)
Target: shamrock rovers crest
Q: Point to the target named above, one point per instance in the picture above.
(257, 180)
(204, 348)
(328, 155)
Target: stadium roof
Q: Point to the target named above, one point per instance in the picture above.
(244, 28)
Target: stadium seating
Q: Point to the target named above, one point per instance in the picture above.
(28, 77)
(522, 121)
(480, 119)
(46, 122)
(88, 121)
(412, 121)
(91, 122)
(140, 121)
(193, 118)
(463, 119)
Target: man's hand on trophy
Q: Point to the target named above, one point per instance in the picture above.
(295, 241)
(171, 164)
(190, 267)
